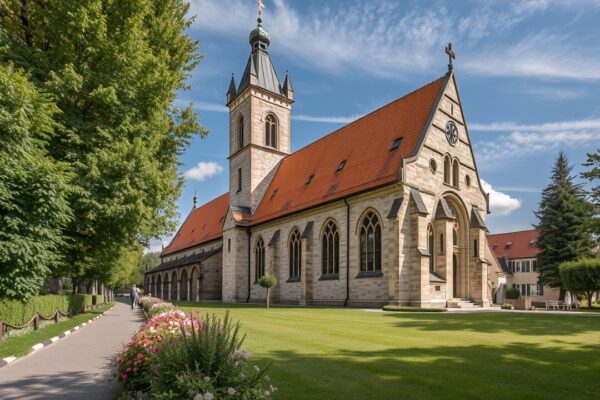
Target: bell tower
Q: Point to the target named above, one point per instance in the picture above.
(259, 123)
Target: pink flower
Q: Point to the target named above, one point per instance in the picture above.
(136, 369)
(124, 377)
(140, 355)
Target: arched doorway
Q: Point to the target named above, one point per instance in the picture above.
(460, 248)
(173, 295)
(183, 285)
(195, 285)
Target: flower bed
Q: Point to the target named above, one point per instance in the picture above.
(182, 356)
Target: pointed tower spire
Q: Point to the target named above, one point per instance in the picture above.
(287, 89)
(231, 92)
(195, 200)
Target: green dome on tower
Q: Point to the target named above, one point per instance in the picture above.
(259, 33)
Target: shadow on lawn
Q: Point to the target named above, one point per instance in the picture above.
(521, 324)
(517, 370)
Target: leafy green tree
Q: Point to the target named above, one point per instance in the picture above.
(114, 69)
(268, 282)
(33, 189)
(564, 224)
(582, 277)
(593, 175)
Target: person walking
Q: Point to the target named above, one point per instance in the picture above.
(134, 293)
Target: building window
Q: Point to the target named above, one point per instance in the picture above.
(534, 265)
(370, 243)
(295, 254)
(259, 257)
(525, 266)
(455, 173)
(229, 245)
(239, 188)
(447, 168)
(271, 131)
(475, 248)
(240, 132)
(330, 249)
(441, 242)
(430, 240)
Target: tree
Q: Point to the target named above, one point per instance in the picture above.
(33, 189)
(582, 277)
(564, 224)
(593, 175)
(114, 70)
(268, 282)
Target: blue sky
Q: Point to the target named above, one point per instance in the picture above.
(528, 73)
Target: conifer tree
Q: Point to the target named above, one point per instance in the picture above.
(593, 175)
(564, 224)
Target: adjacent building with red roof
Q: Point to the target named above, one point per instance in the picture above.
(388, 209)
(517, 254)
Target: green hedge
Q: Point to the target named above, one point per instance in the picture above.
(412, 309)
(88, 301)
(99, 299)
(16, 313)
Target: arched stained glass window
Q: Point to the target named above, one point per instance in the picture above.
(295, 254)
(370, 243)
(259, 258)
(271, 131)
(330, 249)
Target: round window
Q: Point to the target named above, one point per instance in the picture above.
(433, 165)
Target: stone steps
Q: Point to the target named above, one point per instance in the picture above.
(462, 303)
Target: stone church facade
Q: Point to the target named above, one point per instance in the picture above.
(386, 210)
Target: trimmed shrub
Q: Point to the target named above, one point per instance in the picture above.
(14, 312)
(512, 293)
(507, 307)
(581, 277)
(88, 301)
(207, 362)
(412, 309)
(267, 282)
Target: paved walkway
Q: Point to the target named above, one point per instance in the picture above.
(76, 367)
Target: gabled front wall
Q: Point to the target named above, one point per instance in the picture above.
(420, 175)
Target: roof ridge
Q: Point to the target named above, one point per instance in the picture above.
(366, 115)
(506, 233)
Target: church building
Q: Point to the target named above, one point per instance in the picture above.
(388, 209)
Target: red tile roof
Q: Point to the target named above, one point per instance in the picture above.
(520, 244)
(204, 224)
(364, 144)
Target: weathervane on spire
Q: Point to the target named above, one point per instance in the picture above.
(261, 7)
(451, 55)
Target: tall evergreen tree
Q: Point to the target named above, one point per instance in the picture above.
(113, 69)
(593, 175)
(564, 224)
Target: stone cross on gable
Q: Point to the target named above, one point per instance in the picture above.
(261, 7)
(451, 55)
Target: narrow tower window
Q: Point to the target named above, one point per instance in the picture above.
(239, 189)
(271, 131)
(259, 259)
(455, 173)
(240, 132)
(447, 168)
(430, 241)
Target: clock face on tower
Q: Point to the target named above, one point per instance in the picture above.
(451, 133)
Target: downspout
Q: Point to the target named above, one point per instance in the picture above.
(347, 252)
(249, 255)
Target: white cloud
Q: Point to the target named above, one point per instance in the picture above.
(501, 204)
(203, 170)
(590, 123)
(332, 120)
(396, 41)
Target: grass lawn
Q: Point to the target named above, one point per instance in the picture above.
(20, 345)
(325, 353)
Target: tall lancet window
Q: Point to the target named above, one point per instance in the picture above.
(295, 256)
(330, 249)
(260, 259)
(271, 131)
(240, 132)
(447, 169)
(455, 173)
(370, 243)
